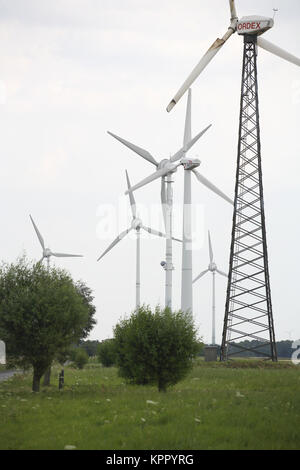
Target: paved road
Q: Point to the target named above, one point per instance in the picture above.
(7, 374)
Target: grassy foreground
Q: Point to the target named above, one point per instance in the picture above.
(245, 406)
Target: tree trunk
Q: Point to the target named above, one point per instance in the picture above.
(36, 380)
(47, 376)
(61, 380)
(162, 385)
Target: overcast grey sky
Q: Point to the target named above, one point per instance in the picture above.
(73, 69)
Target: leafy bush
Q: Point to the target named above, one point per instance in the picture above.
(156, 348)
(107, 352)
(81, 358)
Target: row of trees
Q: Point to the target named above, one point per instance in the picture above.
(42, 313)
(104, 351)
(284, 349)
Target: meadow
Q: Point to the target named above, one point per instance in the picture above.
(243, 405)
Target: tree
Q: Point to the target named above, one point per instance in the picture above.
(64, 355)
(107, 352)
(90, 346)
(81, 358)
(41, 313)
(86, 293)
(156, 348)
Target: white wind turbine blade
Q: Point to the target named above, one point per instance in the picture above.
(211, 254)
(115, 242)
(158, 234)
(200, 275)
(131, 197)
(38, 233)
(206, 59)
(143, 153)
(268, 46)
(158, 174)
(222, 274)
(188, 122)
(233, 10)
(65, 255)
(180, 154)
(212, 187)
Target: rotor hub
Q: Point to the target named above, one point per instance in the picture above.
(136, 224)
(163, 164)
(212, 267)
(47, 253)
(167, 164)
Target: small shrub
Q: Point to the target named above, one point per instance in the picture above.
(156, 348)
(107, 353)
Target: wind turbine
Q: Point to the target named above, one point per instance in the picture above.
(248, 313)
(253, 25)
(164, 170)
(137, 225)
(212, 267)
(189, 166)
(47, 253)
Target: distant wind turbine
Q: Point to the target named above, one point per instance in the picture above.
(213, 269)
(47, 253)
(136, 225)
(169, 167)
(164, 171)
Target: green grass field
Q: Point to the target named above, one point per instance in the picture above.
(243, 406)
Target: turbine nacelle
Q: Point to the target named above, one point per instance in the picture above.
(255, 25)
(190, 164)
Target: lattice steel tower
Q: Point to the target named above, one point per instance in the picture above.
(248, 306)
(248, 311)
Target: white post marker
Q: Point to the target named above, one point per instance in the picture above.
(2, 353)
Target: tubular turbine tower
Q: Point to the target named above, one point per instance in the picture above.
(248, 322)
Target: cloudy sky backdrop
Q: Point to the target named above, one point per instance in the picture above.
(73, 69)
